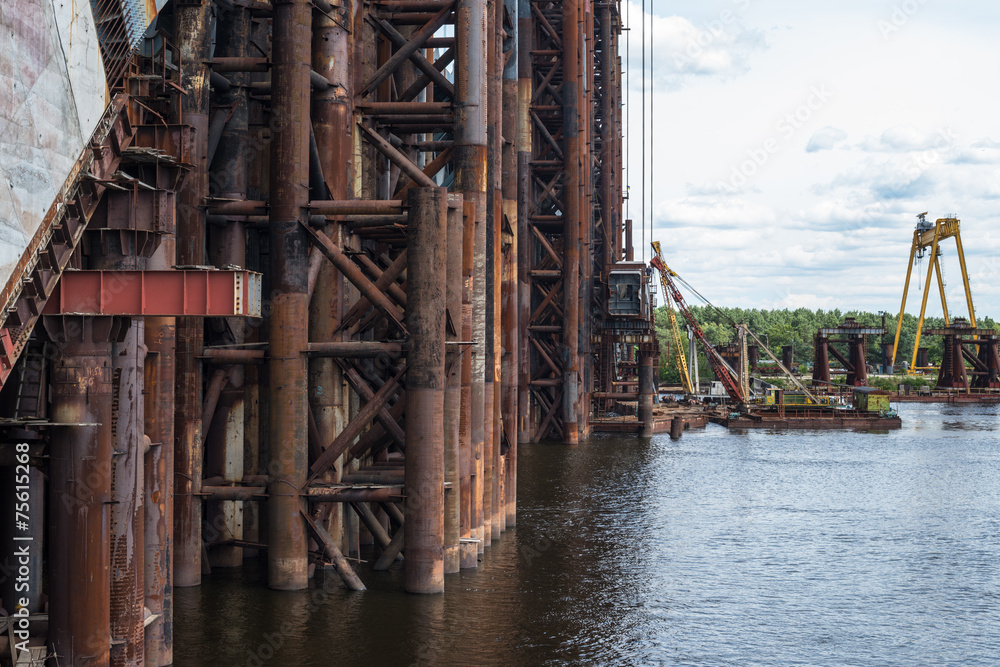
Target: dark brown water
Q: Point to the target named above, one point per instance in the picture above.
(722, 548)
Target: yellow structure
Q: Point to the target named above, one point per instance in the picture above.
(930, 235)
(675, 332)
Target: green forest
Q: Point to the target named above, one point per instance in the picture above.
(777, 328)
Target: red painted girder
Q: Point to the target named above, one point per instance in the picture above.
(191, 292)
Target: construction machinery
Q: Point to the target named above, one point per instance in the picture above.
(675, 333)
(722, 372)
(737, 384)
(928, 235)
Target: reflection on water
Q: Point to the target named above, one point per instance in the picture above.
(717, 549)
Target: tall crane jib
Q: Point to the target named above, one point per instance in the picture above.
(718, 366)
(675, 332)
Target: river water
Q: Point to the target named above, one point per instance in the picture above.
(722, 548)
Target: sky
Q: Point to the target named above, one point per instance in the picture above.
(790, 147)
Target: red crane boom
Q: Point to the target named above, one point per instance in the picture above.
(714, 359)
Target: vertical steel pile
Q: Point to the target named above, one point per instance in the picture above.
(290, 91)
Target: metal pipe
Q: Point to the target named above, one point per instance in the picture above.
(453, 388)
(374, 477)
(234, 356)
(360, 349)
(233, 493)
(233, 64)
(424, 528)
(377, 494)
(288, 549)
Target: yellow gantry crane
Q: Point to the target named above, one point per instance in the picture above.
(929, 235)
(675, 332)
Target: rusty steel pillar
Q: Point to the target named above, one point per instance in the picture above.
(287, 554)
(127, 530)
(193, 31)
(586, 109)
(573, 217)
(79, 569)
(468, 554)
(425, 390)
(494, 103)
(470, 180)
(509, 366)
(227, 241)
(821, 361)
(523, 144)
(647, 392)
(159, 478)
(112, 251)
(453, 389)
(333, 126)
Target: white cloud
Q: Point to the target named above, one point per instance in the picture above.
(678, 48)
(827, 221)
(826, 138)
(713, 212)
(908, 139)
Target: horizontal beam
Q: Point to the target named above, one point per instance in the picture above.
(193, 293)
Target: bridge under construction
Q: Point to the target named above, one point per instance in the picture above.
(285, 279)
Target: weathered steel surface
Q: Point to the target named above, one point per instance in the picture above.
(425, 456)
(287, 555)
(80, 490)
(163, 293)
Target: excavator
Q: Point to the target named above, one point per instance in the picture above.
(736, 384)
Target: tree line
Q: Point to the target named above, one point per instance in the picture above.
(777, 328)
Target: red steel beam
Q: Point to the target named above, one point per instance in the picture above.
(157, 293)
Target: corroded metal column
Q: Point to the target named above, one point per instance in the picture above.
(159, 476)
(453, 390)
(227, 247)
(466, 462)
(333, 123)
(287, 548)
(493, 201)
(425, 456)
(470, 180)
(572, 216)
(125, 528)
(79, 574)
(192, 28)
(509, 371)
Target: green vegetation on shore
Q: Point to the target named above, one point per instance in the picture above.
(778, 328)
